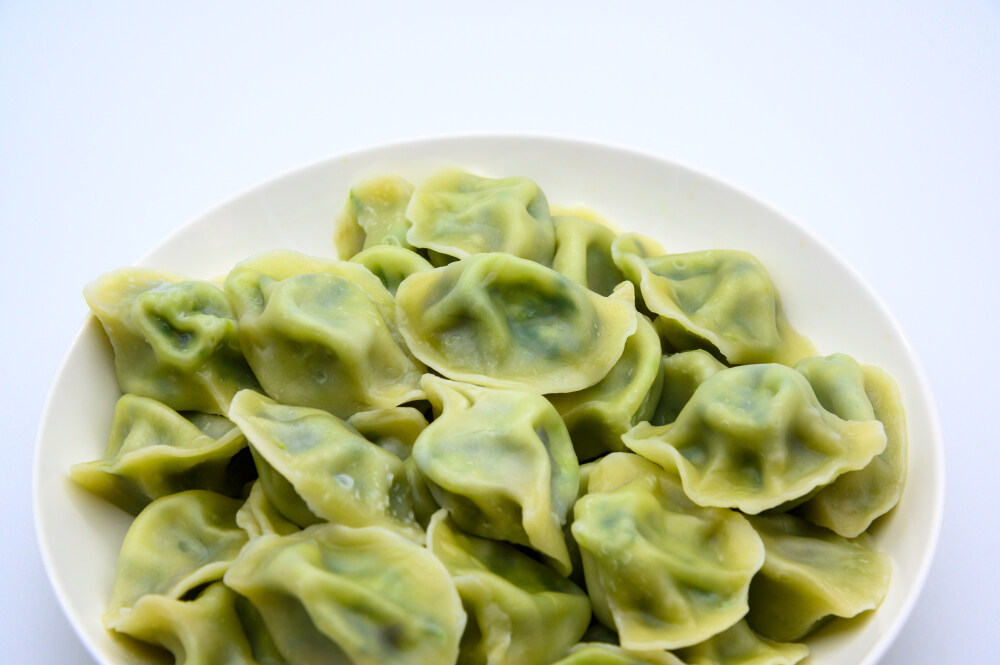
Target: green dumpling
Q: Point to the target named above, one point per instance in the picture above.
(596, 417)
(332, 594)
(720, 300)
(500, 321)
(175, 339)
(850, 503)
(154, 451)
(205, 630)
(756, 437)
(502, 463)
(176, 544)
(458, 214)
(314, 467)
(520, 611)
(661, 571)
(374, 215)
(810, 574)
(321, 333)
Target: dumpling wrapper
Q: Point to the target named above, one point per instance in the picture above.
(332, 594)
(457, 213)
(721, 300)
(502, 463)
(810, 574)
(520, 611)
(756, 437)
(499, 321)
(374, 216)
(174, 339)
(661, 571)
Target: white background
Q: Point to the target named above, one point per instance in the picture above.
(877, 125)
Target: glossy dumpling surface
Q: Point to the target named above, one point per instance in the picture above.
(715, 299)
(850, 503)
(175, 339)
(321, 333)
(334, 594)
(755, 437)
(660, 570)
(458, 214)
(154, 451)
(502, 463)
(520, 612)
(391, 264)
(500, 321)
(318, 467)
(810, 574)
(682, 374)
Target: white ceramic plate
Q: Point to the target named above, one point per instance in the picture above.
(686, 210)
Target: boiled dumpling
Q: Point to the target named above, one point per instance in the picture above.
(682, 374)
(332, 594)
(314, 467)
(810, 574)
(391, 264)
(375, 215)
(755, 437)
(174, 339)
(851, 502)
(502, 463)
(661, 571)
(520, 612)
(720, 300)
(458, 214)
(596, 653)
(500, 321)
(154, 451)
(741, 646)
(321, 333)
(176, 544)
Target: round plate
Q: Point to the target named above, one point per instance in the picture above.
(825, 299)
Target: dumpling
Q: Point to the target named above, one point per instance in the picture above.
(321, 333)
(583, 253)
(741, 646)
(176, 544)
(315, 467)
(520, 612)
(391, 264)
(375, 214)
(810, 574)
(154, 451)
(661, 571)
(850, 503)
(720, 300)
(174, 339)
(682, 374)
(755, 437)
(596, 417)
(458, 214)
(204, 630)
(500, 321)
(502, 463)
(596, 653)
(332, 594)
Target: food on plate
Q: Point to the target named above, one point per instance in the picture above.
(487, 434)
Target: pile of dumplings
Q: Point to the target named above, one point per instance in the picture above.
(487, 435)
